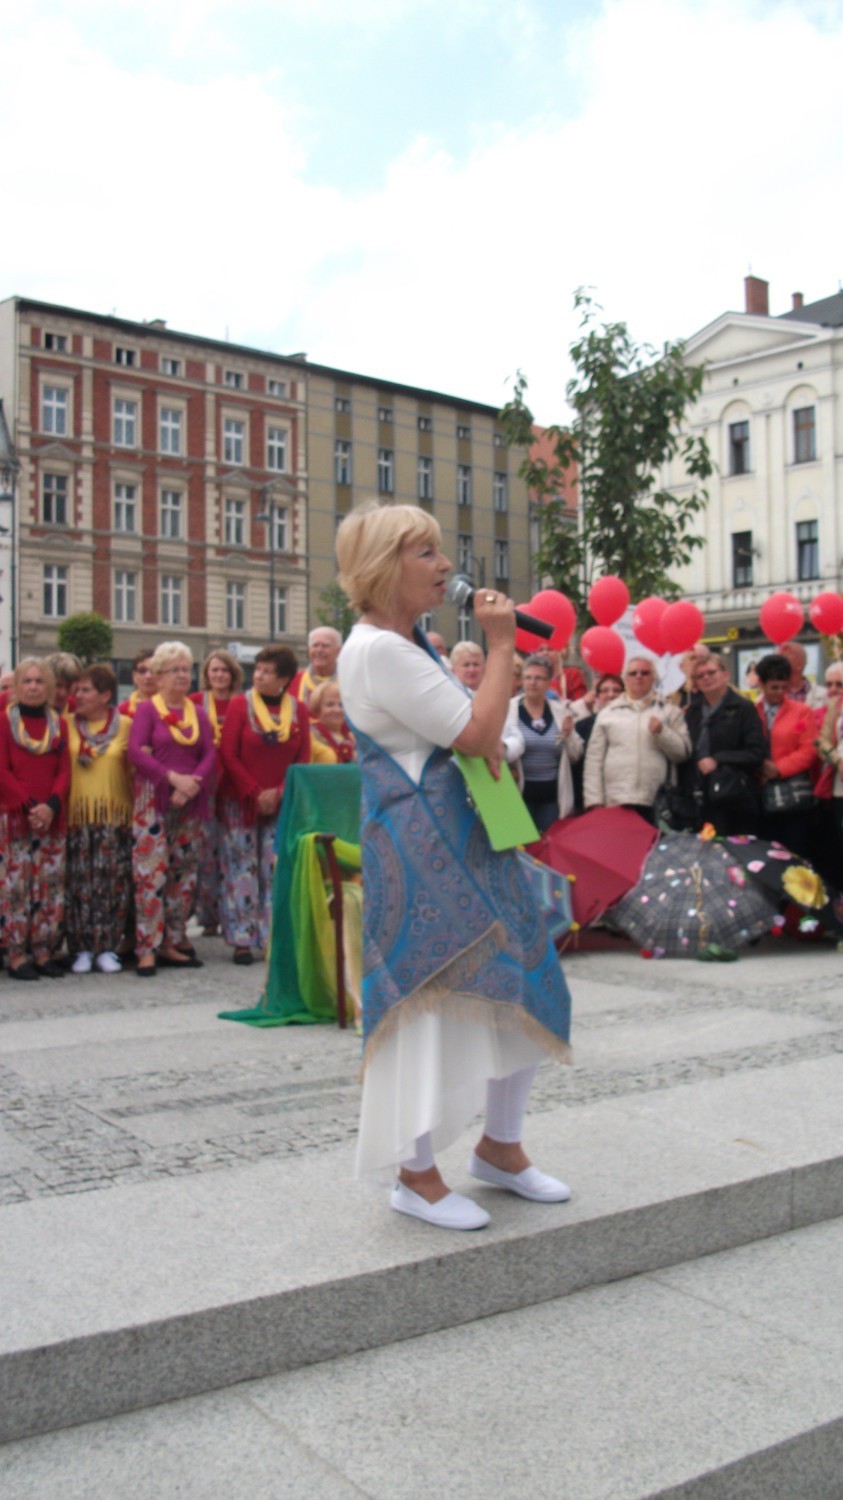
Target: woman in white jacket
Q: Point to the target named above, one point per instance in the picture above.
(634, 742)
(550, 746)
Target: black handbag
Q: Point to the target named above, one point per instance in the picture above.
(728, 784)
(790, 794)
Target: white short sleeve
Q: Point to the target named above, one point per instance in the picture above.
(397, 694)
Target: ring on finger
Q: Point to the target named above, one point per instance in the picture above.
(490, 598)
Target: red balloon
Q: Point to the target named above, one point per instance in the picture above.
(682, 625)
(524, 641)
(647, 620)
(556, 608)
(603, 649)
(781, 618)
(826, 613)
(607, 599)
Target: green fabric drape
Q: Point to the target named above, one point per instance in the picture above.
(317, 799)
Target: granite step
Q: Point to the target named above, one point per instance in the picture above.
(119, 1300)
(718, 1379)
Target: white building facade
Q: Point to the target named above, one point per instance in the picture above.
(771, 411)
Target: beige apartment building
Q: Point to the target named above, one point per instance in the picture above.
(188, 487)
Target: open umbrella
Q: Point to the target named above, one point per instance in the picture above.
(693, 898)
(603, 852)
(788, 877)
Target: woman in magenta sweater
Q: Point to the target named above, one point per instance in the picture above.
(34, 782)
(265, 731)
(171, 747)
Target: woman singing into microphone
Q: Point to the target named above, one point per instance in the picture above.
(463, 993)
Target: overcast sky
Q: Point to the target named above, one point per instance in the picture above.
(414, 188)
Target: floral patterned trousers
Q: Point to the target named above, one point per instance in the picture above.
(248, 862)
(99, 887)
(32, 897)
(208, 882)
(165, 861)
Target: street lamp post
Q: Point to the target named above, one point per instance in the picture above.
(9, 469)
(267, 515)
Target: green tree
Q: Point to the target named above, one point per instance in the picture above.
(86, 635)
(628, 403)
(334, 609)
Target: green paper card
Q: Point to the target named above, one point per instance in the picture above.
(499, 804)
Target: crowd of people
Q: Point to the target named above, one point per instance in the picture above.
(121, 821)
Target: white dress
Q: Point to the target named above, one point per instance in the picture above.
(429, 1075)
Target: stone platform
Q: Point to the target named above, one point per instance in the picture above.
(179, 1215)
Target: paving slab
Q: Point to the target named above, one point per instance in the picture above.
(717, 1380)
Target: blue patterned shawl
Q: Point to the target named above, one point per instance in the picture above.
(446, 919)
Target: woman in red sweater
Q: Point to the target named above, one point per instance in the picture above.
(265, 731)
(788, 793)
(222, 678)
(34, 782)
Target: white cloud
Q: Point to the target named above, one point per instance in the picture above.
(707, 139)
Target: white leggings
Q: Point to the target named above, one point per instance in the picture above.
(506, 1103)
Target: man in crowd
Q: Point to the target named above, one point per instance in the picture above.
(800, 689)
(323, 648)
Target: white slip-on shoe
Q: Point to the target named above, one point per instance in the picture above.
(109, 963)
(451, 1212)
(82, 963)
(531, 1183)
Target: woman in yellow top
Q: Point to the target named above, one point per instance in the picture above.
(331, 741)
(99, 818)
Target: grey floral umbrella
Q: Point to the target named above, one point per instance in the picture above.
(693, 899)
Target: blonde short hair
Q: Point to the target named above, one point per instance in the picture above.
(231, 664)
(319, 694)
(369, 545)
(44, 668)
(463, 650)
(168, 653)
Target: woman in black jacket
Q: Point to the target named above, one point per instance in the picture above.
(728, 750)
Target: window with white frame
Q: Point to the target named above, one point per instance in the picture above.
(280, 528)
(739, 454)
(171, 599)
(465, 621)
(276, 449)
(55, 410)
(425, 424)
(276, 388)
(54, 499)
(170, 429)
(126, 357)
(425, 476)
(235, 522)
(233, 379)
(742, 559)
(125, 597)
(342, 404)
(169, 365)
(385, 413)
(386, 471)
(498, 440)
(57, 342)
(125, 422)
(465, 559)
(463, 432)
(342, 461)
(279, 609)
(807, 550)
(235, 606)
(500, 491)
(463, 484)
(804, 435)
(126, 508)
(502, 560)
(55, 591)
(233, 440)
(172, 510)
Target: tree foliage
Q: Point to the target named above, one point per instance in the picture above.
(86, 635)
(628, 404)
(335, 609)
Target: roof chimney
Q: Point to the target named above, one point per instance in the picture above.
(756, 296)
(798, 300)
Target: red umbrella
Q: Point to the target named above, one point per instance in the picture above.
(604, 850)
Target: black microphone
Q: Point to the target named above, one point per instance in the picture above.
(461, 590)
